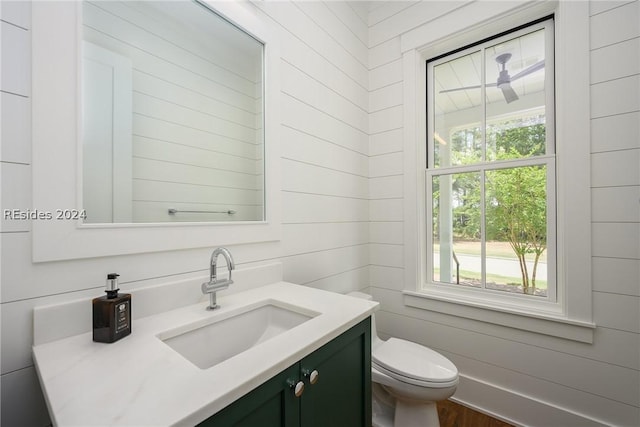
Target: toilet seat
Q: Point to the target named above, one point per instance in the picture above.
(415, 364)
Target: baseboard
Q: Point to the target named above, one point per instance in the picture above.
(515, 408)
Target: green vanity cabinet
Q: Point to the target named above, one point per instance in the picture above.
(337, 389)
(271, 404)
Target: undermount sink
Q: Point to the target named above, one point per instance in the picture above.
(211, 341)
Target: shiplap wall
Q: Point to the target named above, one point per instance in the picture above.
(195, 133)
(325, 187)
(527, 378)
(342, 210)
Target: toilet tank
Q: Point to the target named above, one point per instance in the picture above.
(374, 333)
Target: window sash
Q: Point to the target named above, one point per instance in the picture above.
(549, 163)
(547, 160)
(548, 26)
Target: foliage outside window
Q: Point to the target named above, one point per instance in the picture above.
(490, 176)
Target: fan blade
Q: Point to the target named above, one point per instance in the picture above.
(509, 94)
(530, 69)
(455, 89)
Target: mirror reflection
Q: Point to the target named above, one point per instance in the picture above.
(172, 103)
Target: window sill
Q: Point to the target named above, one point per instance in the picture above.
(542, 323)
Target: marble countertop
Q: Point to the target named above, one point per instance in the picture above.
(141, 381)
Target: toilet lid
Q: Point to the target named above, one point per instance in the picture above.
(411, 360)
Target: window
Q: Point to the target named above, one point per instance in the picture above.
(564, 114)
(491, 169)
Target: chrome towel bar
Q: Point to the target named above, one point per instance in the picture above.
(173, 211)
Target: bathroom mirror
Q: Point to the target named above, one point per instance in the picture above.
(58, 128)
(172, 115)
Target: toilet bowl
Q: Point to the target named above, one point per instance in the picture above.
(408, 379)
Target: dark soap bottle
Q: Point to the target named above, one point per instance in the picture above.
(111, 313)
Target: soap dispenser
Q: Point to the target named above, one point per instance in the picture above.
(111, 313)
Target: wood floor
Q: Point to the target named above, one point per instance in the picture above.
(454, 415)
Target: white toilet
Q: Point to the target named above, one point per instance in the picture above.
(408, 379)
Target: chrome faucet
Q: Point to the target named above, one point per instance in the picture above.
(214, 285)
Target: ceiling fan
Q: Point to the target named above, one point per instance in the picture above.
(504, 79)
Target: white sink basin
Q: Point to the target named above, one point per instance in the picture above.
(211, 341)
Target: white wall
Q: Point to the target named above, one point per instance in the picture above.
(524, 377)
(342, 201)
(325, 186)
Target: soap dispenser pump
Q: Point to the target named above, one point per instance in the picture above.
(111, 313)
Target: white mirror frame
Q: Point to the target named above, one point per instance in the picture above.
(56, 169)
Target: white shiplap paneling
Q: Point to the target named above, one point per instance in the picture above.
(615, 168)
(385, 165)
(383, 120)
(306, 89)
(304, 178)
(300, 55)
(351, 18)
(385, 97)
(386, 187)
(303, 117)
(326, 236)
(614, 61)
(16, 73)
(617, 132)
(16, 128)
(600, 6)
(384, 53)
(526, 377)
(616, 275)
(616, 204)
(617, 96)
(387, 232)
(380, 11)
(315, 266)
(385, 142)
(16, 12)
(321, 14)
(325, 149)
(307, 148)
(409, 18)
(302, 27)
(311, 208)
(15, 176)
(328, 128)
(615, 25)
(385, 75)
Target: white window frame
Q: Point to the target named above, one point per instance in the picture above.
(498, 298)
(570, 315)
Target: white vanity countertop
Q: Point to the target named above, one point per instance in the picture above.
(141, 381)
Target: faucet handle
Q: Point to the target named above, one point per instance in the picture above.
(205, 287)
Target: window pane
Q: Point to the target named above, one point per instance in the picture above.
(515, 96)
(457, 103)
(457, 229)
(519, 137)
(516, 230)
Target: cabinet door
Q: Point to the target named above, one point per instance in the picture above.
(273, 404)
(341, 394)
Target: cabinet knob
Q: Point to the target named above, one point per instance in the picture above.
(312, 375)
(298, 387)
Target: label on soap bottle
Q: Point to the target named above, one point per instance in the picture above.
(122, 316)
